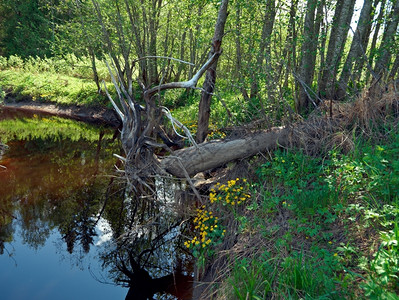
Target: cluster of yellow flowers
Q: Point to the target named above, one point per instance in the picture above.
(206, 225)
(216, 134)
(234, 193)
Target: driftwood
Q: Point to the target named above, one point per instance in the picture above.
(217, 153)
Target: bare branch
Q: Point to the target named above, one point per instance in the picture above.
(190, 84)
(165, 57)
(121, 115)
(180, 125)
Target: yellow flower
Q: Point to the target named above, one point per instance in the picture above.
(335, 254)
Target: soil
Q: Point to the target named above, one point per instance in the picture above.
(93, 115)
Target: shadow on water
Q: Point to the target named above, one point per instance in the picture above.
(59, 177)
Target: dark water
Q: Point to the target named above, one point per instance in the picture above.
(70, 228)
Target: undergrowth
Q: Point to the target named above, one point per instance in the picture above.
(314, 228)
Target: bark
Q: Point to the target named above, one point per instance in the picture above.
(137, 39)
(264, 46)
(182, 48)
(238, 72)
(89, 48)
(308, 59)
(94, 68)
(357, 50)
(210, 79)
(217, 153)
(375, 37)
(290, 46)
(339, 32)
(383, 61)
(394, 69)
(108, 43)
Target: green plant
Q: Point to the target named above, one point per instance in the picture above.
(208, 233)
(2, 94)
(253, 279)
(383, 281)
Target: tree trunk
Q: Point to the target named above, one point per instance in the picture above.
(94, 68)
(308, 59)
(375, 37)
(210, 79)
(339, 32)
(394, 69)
(264, 47)
(182, 48)
(357, 50)
(388, 40)
(215, 154)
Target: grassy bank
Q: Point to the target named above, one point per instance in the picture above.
(289, 225)
(65, 82)
(306, 227)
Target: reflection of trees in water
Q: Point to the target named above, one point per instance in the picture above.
(146, 255)
(43, 174)
(52, 185)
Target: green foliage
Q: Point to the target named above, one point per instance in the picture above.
(2, 95)
(253, 279)
(52, 80)
(26, 28)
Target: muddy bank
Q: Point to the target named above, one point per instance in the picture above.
(93, 115)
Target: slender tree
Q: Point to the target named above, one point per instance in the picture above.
(210, 79)
(357, 50)
(339, 32)
(383, 63)
(308, 55)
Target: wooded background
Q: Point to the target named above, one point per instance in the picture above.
(275, 53)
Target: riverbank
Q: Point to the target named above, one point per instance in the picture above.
(304, 224)
(94, 115)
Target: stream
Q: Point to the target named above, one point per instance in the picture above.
(70, 226)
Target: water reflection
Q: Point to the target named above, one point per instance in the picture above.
(57, 183)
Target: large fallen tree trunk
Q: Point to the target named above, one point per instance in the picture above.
(206, 156)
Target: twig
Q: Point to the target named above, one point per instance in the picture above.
(187, 177)
(165, 57)
(176, 122)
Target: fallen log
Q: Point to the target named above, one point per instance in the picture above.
(213, 154)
